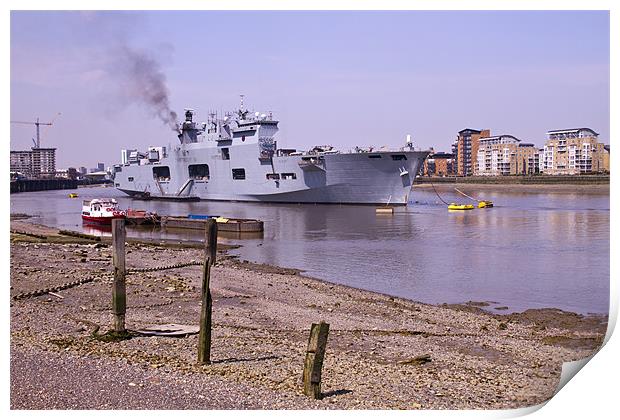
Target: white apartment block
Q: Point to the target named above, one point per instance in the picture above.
(573, 152)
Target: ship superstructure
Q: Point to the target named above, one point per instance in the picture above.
(236, 158)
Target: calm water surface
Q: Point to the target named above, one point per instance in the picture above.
(533, 250)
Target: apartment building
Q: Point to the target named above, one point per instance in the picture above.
(36, 163)
(526, 160)
(574, 151)
(505, 155)
(533, 160)
(467, 149)
(440, 164)
(21, 161)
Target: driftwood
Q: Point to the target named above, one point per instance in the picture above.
(418, 360)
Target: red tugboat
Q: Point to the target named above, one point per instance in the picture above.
(101, 211)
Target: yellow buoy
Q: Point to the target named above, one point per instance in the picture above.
(73, 195)
(484, 204)
(454, 206)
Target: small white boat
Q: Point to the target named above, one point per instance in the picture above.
(101, 211)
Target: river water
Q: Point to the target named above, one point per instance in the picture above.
(536, 248)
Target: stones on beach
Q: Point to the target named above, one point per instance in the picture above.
(260, 344)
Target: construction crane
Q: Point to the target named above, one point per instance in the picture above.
(37, 143)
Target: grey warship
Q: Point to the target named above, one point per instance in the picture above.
(235, 158)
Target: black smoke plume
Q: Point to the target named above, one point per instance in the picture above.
(146, 83)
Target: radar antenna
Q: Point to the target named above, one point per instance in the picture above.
(242, 112)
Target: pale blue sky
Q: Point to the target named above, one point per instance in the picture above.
(340, 78)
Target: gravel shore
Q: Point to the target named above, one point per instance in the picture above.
(261, 320)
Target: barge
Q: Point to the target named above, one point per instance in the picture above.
(223, 224)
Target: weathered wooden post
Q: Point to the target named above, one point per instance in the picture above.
(314, 359)
(204, 338)
(119, 295)
(211, 239)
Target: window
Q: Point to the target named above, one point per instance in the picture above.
(161, 173)
(399, 157)
(130, 178)
(291, 175)
(374, 156)
(273, 176)
(198, 171)
(225, 153)
(238, 173)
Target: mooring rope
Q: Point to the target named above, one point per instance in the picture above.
(438, 194)
(76, 283)
(161, 268)
(64, 286)
(462, 193)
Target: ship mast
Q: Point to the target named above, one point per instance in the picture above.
(242, 112)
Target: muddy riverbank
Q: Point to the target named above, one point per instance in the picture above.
(261, 319)
(514, 187)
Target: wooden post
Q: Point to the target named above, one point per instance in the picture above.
(119, 295)
(211, 239)
(204, 338)
(314, 360)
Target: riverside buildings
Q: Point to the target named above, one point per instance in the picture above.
(505, 155)
(574, 151)
(440, 164)
(467, 144)
(567, 152)
(39, 162)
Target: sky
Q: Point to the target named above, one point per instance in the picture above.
(343, 78)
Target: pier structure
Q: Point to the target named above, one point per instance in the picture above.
(28, 185)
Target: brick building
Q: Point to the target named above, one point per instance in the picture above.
(440, 164)
(467, 149)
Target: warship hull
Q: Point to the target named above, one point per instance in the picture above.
(242, 166)
(354, 178)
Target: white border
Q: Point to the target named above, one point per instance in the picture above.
(592, 395)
